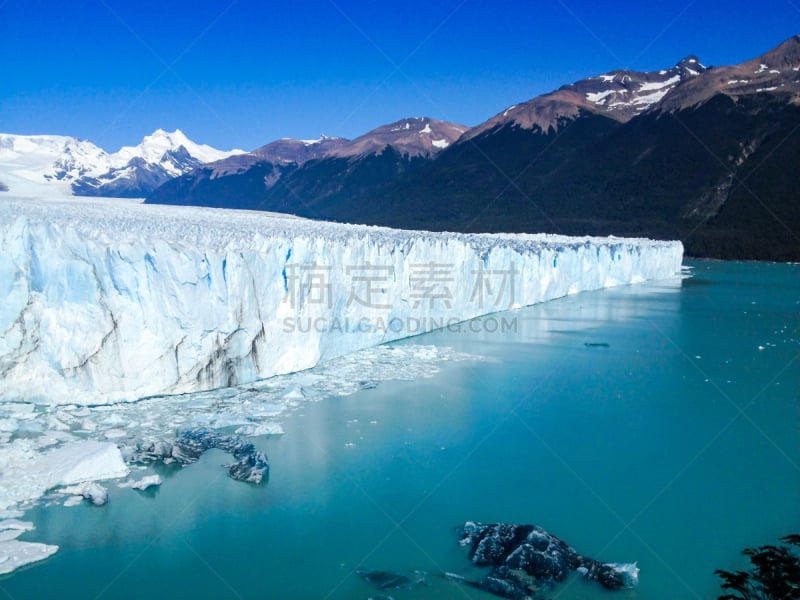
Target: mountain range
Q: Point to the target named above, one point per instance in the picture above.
(34, 164)
(708, 155)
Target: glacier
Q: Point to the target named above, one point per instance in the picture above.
(123, 323)
(105, 301)
(14, 553)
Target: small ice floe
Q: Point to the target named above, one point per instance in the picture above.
(113, 434)
(257, 429)
(143, 484)
(89, 490)
(14, 553)
(28, 473)
(293, 392)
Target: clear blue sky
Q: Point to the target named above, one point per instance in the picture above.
(241, 73)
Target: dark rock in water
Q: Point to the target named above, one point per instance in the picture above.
(526, 558)
(250, 465)
(386, 580)
(506, 585)
(151, 451)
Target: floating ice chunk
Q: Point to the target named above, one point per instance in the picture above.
(256, 429)
(27, 473)
(86, 461)
(89, 490)
(15, 554)
(9, 425)
(113, 434)
(294, 392)
(147, 482)
(143, 484)
(11, 529)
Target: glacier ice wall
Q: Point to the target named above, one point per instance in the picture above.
(106, 301)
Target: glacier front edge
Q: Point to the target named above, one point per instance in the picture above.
(104, 301)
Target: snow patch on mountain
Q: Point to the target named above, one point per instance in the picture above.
(657, 85)
(599, 97)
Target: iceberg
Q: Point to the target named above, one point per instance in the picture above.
(106, 301)
(14, 553)
(88, 490)
(28, 471)
(143, 484)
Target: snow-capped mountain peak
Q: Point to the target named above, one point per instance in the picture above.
(155, 146)
(691, 65)
(28, 162)
(775, 72)
(415, 136)
(619, 95)
(623, 94)
(68, 165)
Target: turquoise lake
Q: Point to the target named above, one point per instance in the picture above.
(657, 423)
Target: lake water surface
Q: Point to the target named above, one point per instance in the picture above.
(671, 439)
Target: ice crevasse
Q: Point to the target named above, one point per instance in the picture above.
(107, 301)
